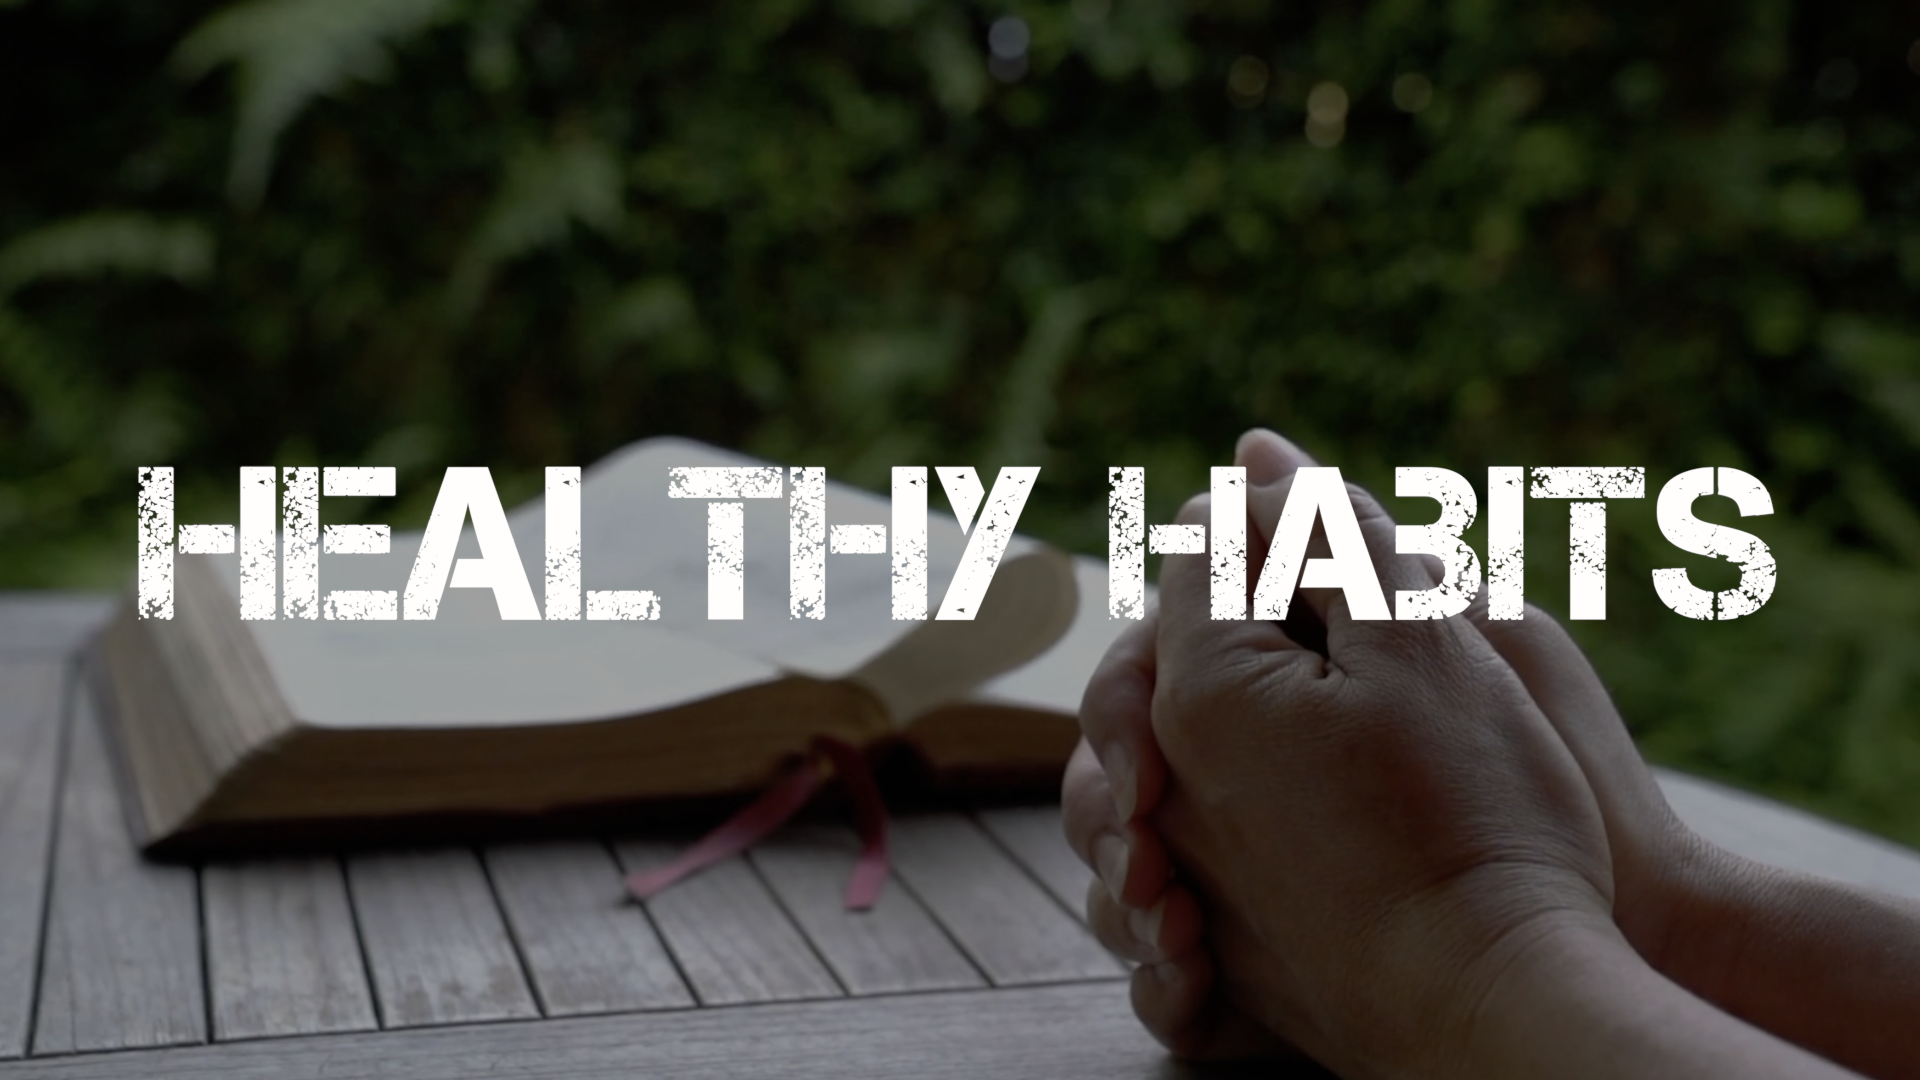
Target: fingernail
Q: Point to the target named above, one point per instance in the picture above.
(1168, 973)
(1146, 924)
(1117, 760)
(1111, 855)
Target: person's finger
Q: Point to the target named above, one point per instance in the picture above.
(1086, 806)
(1115, 715)
(1267, 501)
(1434, 569)
(1261, 455)
(1189, 638)
(1570, 693)
(1129, 858)
(1371, 526)
(1169, 927)
(1171, 1000)
(1175, 1001)
(1270, 460)
(1265, 455)
(1209, 670)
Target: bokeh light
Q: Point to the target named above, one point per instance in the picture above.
(1007, 42)
(1326, 114)
(1247, 81)
(1412, 92)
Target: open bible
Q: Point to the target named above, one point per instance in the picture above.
(285, 732)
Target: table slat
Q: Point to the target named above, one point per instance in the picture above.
(30, 712)
(122, 966)
(283, 956)
(1034, 835)
(588, 947)
(1083, 1032)
(895, 946)
(733, 942)
(1006, 922)
(435, 940)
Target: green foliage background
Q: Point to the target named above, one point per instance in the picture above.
(525, 232)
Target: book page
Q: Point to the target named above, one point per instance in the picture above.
(469, 667)
(1055, 681)
(911, 666)
(634, 537)
(1029, 606)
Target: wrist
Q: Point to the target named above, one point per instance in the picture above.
(1527, 994)
(1693, 898)
(1458, 964)
(1573, 994)
(1582, 1004)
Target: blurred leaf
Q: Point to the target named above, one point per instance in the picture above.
(1890, 518)
(107, 242)
(546, 190)
(656, 310)
(289, 52)
(953, 63)
(887, 13)
(491, 59)
(65, 407)
(1549, 163)
(1031, 387)
(864, 380)
(1885, 358)
(1807, 210)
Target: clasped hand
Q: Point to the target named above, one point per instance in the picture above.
(1402, 848)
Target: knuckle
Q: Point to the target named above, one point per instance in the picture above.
(1535, 615)
(1183, 707)
(1219, 697)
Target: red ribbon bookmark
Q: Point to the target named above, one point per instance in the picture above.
(779, 804)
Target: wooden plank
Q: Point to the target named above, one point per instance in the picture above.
(1006, 922)
(1032, 834)
(283, 957)
(30, 714)
(1048, 1033)
(733, 942)
(122, 961)
(50, 624)
(436, 944)
(893, 947)
(588, 948)
(1768, 832)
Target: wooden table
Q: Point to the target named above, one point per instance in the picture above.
(523, 959)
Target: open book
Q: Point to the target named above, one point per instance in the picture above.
(265, 733)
